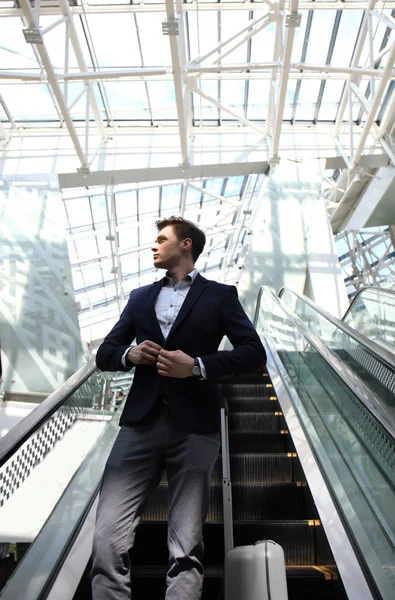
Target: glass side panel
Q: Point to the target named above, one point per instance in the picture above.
(373, 314)
(376, 374)
(39, 473)
(356, 456)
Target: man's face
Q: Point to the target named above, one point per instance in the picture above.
(167, 249)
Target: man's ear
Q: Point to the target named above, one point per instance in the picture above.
(186, 244)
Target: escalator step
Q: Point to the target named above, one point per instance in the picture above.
(260, 441)
(263, 390)
(302, 583)
(253, 404)
(248, 378)
(298, 539)
(255, 421)
(255, 501)
(261, 468)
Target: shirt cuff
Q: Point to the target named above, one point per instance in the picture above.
(202, 368)
(123, 358)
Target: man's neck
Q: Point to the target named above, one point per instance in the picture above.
(178, 273)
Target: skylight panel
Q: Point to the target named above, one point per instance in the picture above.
(307, 99)
(231, 23)
(193, 198)
(289, 99)
(232, 96)
(203, 33)
(320, 36)
(128, 100)
(99, 210)
(126, 204)
(28, 101)
(86, 249)
(163, 100)
(78, 212)
(170, 199)
(330, 100)
(114, 39)
(346, 37)
(299, 37)
(155, 45)
(258, 99)
(14, 52)
(233, 185)
(203, 109)
(214, 185)
(262, 44)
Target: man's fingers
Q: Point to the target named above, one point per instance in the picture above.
(150, 353)
(152, 345)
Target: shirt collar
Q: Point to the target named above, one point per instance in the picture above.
(189, 277)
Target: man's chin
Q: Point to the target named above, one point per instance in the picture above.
(159, 265)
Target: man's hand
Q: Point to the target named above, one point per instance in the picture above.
(174, 363)
(145, 353)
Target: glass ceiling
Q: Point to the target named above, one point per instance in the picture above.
(110, 233)
(100, 68)
(116, 36)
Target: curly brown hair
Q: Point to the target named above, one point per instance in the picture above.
(185, 229)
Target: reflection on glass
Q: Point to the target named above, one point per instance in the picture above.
(373, 315)
(356, 456)
(37, 474)
(377, 375)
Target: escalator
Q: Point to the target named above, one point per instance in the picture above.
(312, 466)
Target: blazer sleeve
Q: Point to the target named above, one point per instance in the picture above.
(248, 353)
(109, 354)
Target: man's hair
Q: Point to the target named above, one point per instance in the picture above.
(185, 229)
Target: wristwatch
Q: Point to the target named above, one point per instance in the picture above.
(196, 372)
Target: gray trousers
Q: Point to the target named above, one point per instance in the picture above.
(134, 469)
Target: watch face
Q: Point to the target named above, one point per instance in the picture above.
(196, 371)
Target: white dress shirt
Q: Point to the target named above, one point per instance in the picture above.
(168, 304)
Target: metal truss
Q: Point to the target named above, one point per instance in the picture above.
(378, 106)
(357, 138)
(370, 258)
(188, 72)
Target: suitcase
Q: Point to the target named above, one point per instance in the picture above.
(256, 572)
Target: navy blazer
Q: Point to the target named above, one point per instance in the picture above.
(210, 311)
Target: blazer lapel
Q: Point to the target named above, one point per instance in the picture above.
(197, 288)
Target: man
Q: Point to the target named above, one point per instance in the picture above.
(171, 416)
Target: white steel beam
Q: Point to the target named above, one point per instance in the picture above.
(252, 23)
(388, 118)
(386, 19)
(52, 79)
(213, 195)
(266, 21)
(67, 14)
(76, 180)
(374, 106)
(229, 111)
(205, 7)
(285, 68)
(356, 58)
(237, 71)
(178, 56)
(277, 51)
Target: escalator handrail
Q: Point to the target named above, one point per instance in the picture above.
(378, 351)
(367, 397)
(359, 292)
(14, 439)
